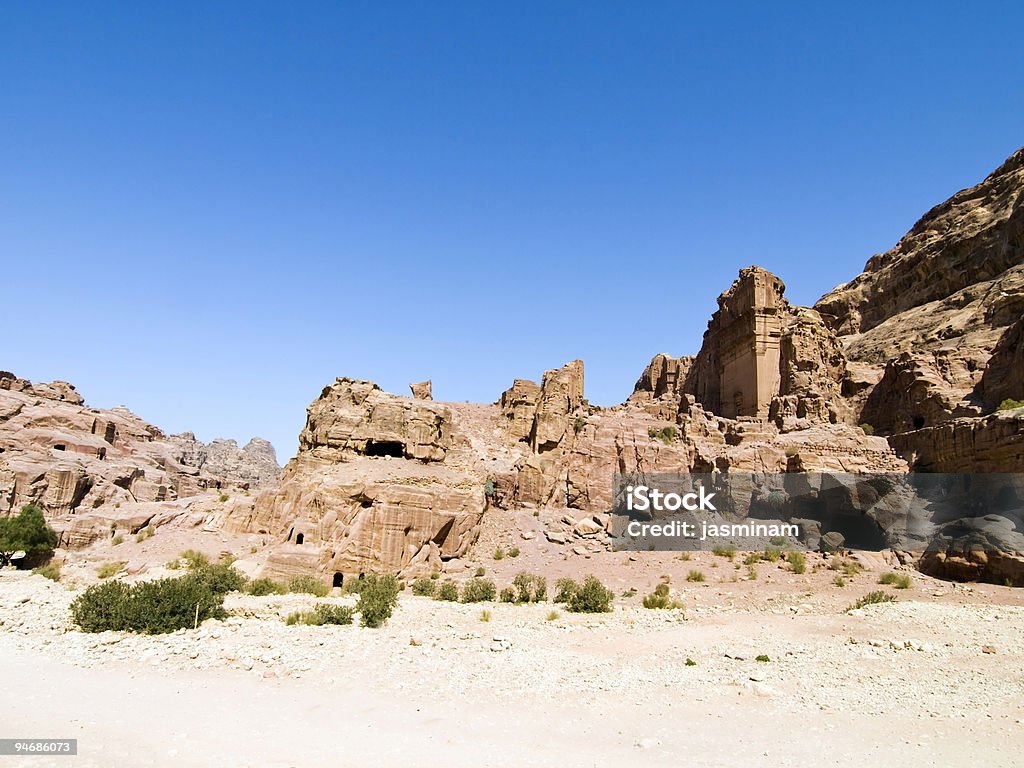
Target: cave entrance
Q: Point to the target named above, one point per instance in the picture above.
(299, 538)
(338, 579)
(919, 422)
(385, 448)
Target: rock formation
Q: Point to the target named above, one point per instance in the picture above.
(73, 460)
(424, 390)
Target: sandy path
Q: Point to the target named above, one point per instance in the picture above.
(230, 719)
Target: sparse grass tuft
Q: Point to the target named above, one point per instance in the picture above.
(107, 570)
(763, 658)
(727, 552)
(119, 539)
(50, 571)
(797, 561)
(485, 615)
(696, 576)
(499, 553)
(264, 587)
(839, 581)
(222, 498)
(872, 598)
(194, 559)
(552, 616)
(690, 662)
(898, 580)
(514, 552)
(480, 571)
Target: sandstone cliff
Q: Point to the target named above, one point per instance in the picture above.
(73, 460)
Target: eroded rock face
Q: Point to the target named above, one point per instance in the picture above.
(1004, 375)
(990, 444)
(356, 418)
(423, 390)
(561, 397)
(970, 240)
(80, 464)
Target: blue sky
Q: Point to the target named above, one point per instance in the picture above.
(209, 211)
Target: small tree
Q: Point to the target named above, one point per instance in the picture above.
(27, 531)
(377, 600)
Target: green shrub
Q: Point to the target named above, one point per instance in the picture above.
(107, 570)
(478, 590)
(514, 552)
(309, 585)
(872, 598)
(867, 429)
(591, 597)
(499, 553)
(149, 607)
(797, 561)
(839, 581)
(264, 587)
(480, 571)
(530, 588)
(377, 600)
(222, 498)
(334, 614)
(695, 576)
(1010, 404)
(447, 592)
(752, 558)
(508, 595)
(220, 578)
(194, 559)
(660, 598)
(666, 434)
(898, 580)
(322, 614)
(26, 532)
(50, 571)
(564, 590)
(772, 555)
(690, 662)
(751, 573)
(762, 658)
(423, 587)
(727, 552)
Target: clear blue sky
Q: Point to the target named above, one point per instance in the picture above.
(208, 211)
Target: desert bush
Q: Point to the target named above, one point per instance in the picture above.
(772, 555)
(898, 580)
(485, 615)
(867, 429)
(751, 573)
(424, 587)
(564, 590)
(695, 576)
(448, 592)
(727, 552)
(149, 607)
(690, 662)
(194, 559)
(377, 600)
(661, 598)
(26, 532)
(508, 595)
(752, 558)
(839, 581)
(763, 658)
(849, 567)
(119, 539)
(264, 587)
(872, 598)
(499, 553)
(107, 570)
(513, 552)
(309, 585)
(1010, 404)
(220, 578)
(480, 571)
(530, 588)
(797, 561)
(322, 614)
(478, 590)
(552, 616)
(666, 434)
(591, 597)
(50, 571)
(222, 498)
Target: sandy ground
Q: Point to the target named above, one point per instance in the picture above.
(934, 678)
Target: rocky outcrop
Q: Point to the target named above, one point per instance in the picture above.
(518, 406)
(561, 398)
(423, 390)
(356, 418)
(71, 459)
(252, 466)
(915, 391)
(966, 242)
(1004, 375)
(991, 444)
